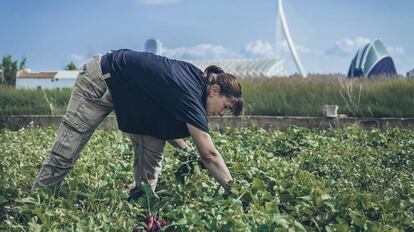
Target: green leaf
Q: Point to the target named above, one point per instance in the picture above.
(357, 219)
(337, 228)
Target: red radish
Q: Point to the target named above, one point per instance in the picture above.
(150, 223)
(163, 223)
(157, 225)
(153, 225)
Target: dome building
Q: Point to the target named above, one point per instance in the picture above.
(372, 60)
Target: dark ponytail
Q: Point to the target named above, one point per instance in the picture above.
(213, 69)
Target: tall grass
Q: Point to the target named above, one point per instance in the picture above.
(382, 97)
(293, 96)
(39, 101)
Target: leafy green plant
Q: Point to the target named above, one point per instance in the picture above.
(299, 180)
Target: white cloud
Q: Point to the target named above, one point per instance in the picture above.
(300, 49)
(156, 2)
(396, 51)
(347, 46)
(259, 48)
(201, 51)
(78, 59)
(262, 49)
(253, 49)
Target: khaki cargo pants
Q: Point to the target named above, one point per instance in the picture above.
(88, 106)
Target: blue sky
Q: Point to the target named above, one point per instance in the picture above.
(327, 33)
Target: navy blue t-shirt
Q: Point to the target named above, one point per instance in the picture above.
(154, 95)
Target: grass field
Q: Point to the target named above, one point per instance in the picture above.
(33, 101)
(266, 96)
(307, 97)
(299, 180)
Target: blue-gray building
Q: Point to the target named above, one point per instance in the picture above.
(154, 46)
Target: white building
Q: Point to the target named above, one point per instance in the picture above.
(243, 68)
(47, 80)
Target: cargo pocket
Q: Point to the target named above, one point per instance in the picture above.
(95, 91)
(69, 138)
(94, 84)
(84, 113)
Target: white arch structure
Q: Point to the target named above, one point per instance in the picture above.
(292, 48)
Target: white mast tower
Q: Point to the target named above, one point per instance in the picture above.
(281, 16)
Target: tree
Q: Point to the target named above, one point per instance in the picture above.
(1, 76)
(71, 66)
(9, 68)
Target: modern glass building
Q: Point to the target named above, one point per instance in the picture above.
(372, 60)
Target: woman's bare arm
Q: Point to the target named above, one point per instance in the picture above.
(210, 157)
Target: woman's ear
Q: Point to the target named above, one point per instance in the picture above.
(214, 90)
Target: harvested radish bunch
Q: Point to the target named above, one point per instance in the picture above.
(154, 224)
